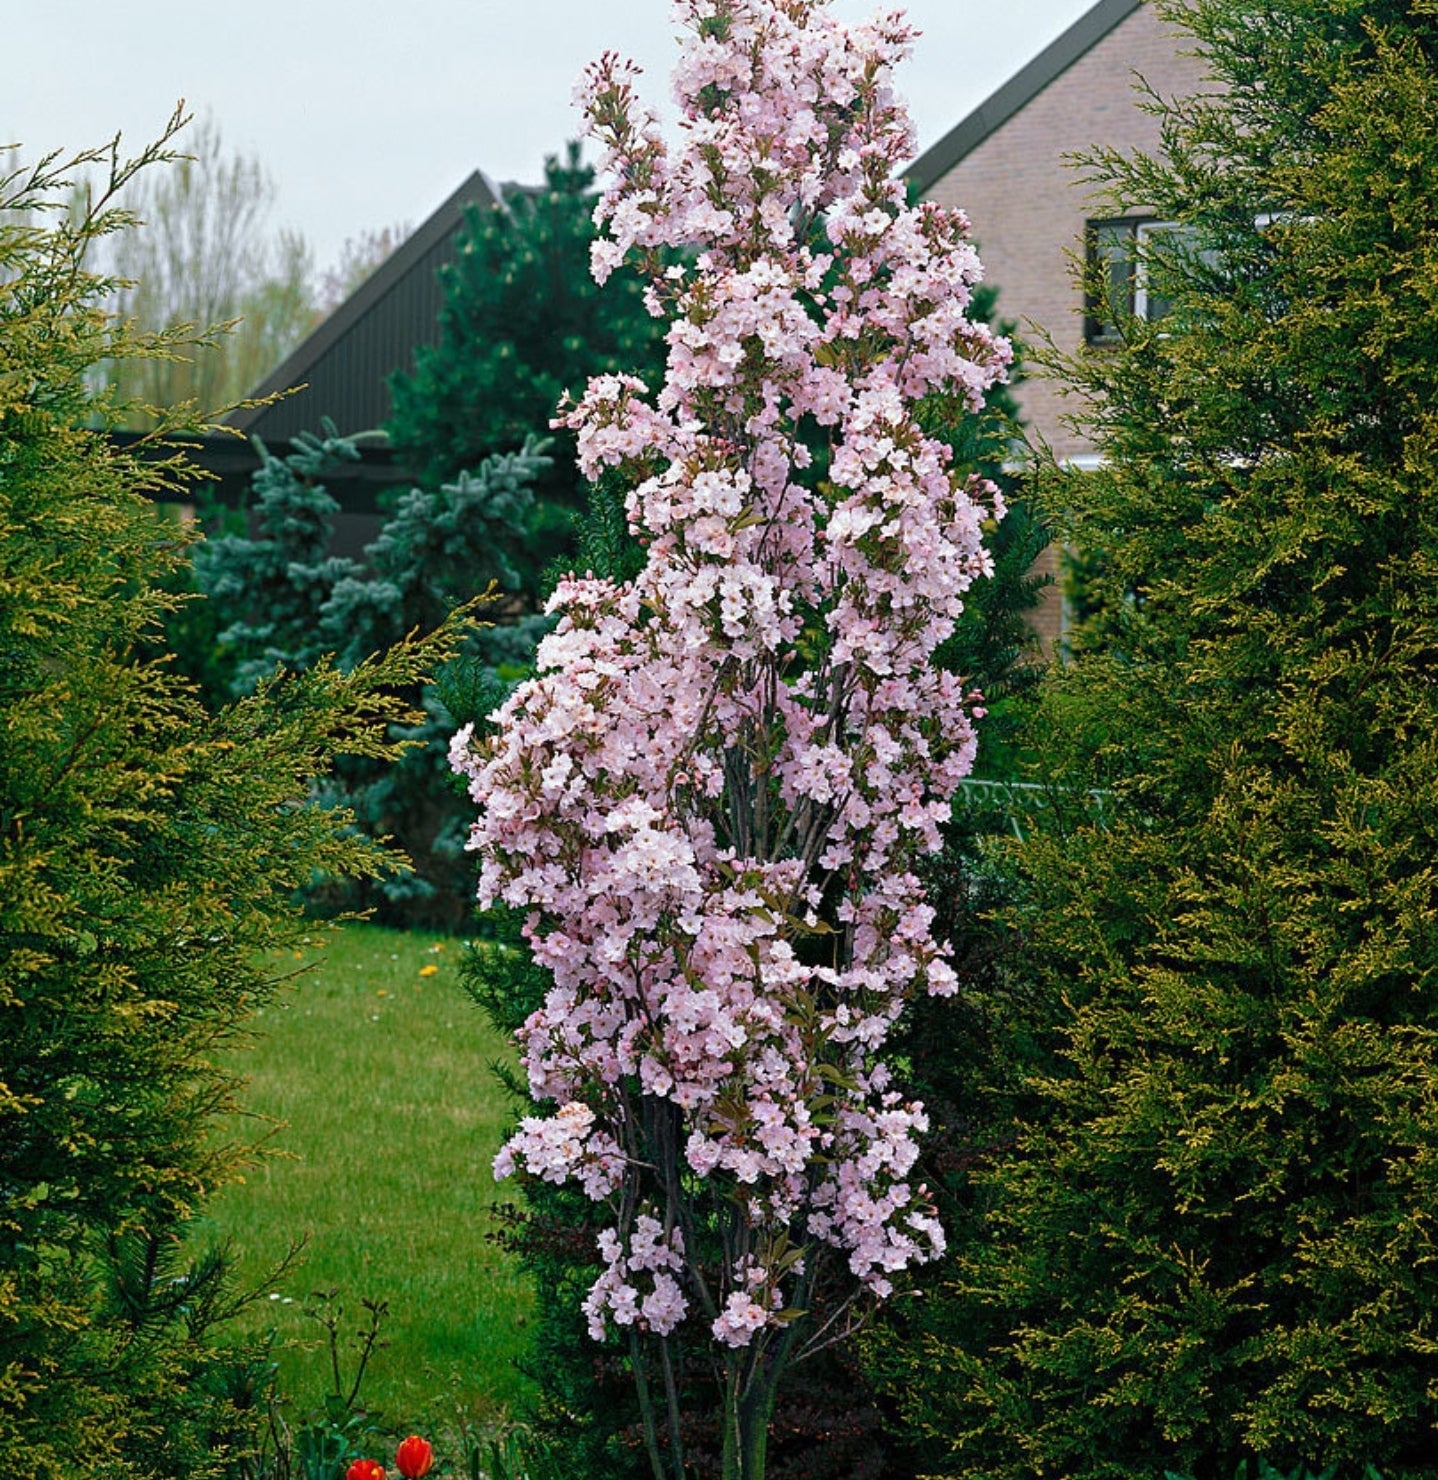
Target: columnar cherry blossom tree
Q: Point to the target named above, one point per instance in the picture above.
(710, 799)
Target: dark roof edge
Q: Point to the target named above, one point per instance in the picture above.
(476, 189)
(1022, 88)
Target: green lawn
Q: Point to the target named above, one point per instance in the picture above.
(378, 1066)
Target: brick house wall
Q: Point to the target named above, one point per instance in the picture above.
(1027, 202)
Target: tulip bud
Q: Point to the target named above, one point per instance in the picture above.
(414, 1457)
(365, 1469)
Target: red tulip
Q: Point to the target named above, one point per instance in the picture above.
(414, 1457)
(365, 1469)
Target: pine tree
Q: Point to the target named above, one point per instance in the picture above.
(994, 646)
(270, 587)
(1210, 1235)
(523, 324)
(437, 551)
(284, 602)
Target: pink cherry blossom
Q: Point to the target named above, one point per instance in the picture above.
(710, 798)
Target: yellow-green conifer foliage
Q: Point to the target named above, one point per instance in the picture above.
(149, 854)
(1215, 1233)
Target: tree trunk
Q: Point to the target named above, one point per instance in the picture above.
(748, 1408)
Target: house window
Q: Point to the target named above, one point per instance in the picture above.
(1116, 283)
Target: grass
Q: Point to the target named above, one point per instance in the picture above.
(378, 1067)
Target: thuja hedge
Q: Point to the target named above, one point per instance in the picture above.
(150, 850)
(1206, 1230)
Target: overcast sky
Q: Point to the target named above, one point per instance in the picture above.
(369, 114)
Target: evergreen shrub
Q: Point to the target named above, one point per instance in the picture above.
(151, 851)
(283, 602)
(1206, 1234)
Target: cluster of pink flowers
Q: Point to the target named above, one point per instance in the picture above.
(750, 1307)
(563, 1146)
(655, 1258)
(710, 799)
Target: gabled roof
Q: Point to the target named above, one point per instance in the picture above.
(346, 362)
(1021, 89)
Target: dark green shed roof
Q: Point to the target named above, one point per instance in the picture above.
(345, 363)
